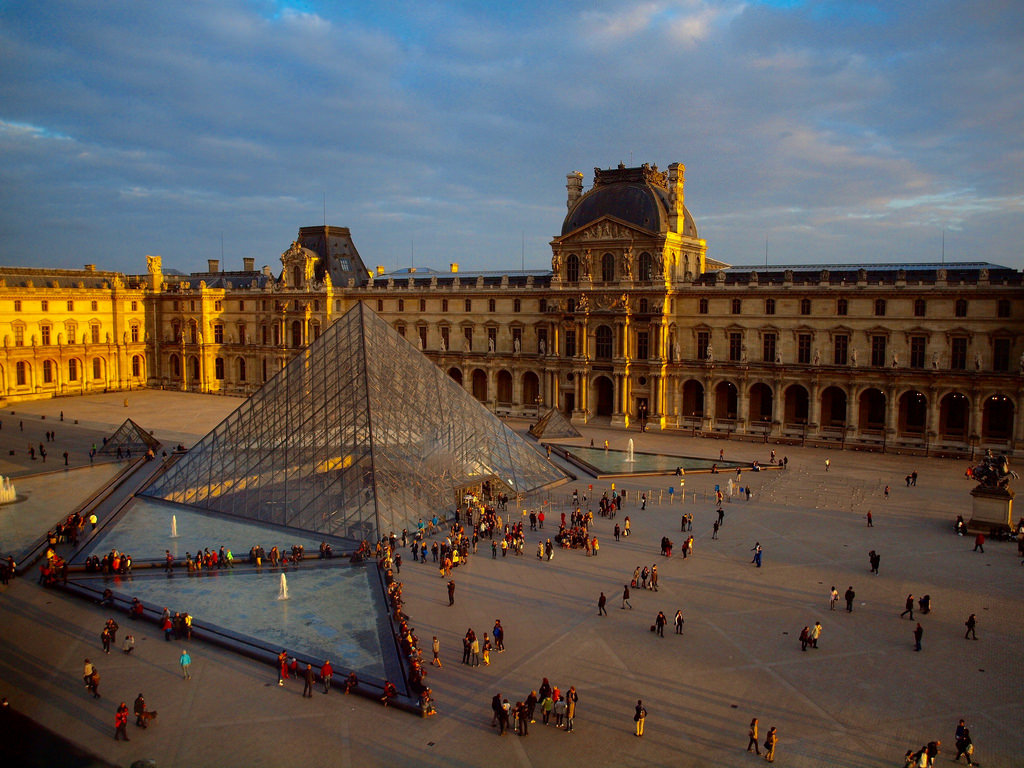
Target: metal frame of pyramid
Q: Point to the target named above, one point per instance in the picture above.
(129, 437)
(554, 424)
(358, 436)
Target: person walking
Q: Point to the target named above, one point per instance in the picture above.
(451, 592)
(185, 661)
(714, 530)
(436, 649)
(971, 623)
(769, 744)
(918, 634)
(875, 559)
(833, 598)
(979, 543)
(121, 723)
(805, 637)
(964, 744)
(910, 607)
(140, 711)
(91, 676)
(326, 673)
(815, 634)
(625, 597)
(850, 594)
(871, 522)
(498, 633)
(600, 605)
(752, 738)
(659, 623)
(679, 622)
(757, 554)
(570, 708)
(308, 678)
(639, 716)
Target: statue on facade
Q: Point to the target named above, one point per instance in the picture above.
(585, 264)
(627, 263)
(817, 357)
(490, 344)
(778, 357)
(515, 345)
(935, 361)
(743, 354)
(542, 346)
(678, 357)
(659, 264)
(853, 358)
(556, 262)
(1020, 363)
(977, 361)
(442, 345)
(895, 360)
(709, 354)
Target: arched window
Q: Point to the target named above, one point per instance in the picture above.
(47, 371)
(608, 268)
(603, 343)
(296, 277)
(21, 373)
(97, 368)
(218, 368)
(572, 268)
(296, 334)
(72, 370)
(136, 366)
(645, 270)
(195, 368)
(175, 366)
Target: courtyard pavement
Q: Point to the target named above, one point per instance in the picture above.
(861, 699)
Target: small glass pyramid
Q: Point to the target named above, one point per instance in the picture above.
(553, 424)
(358, 436)
(127, 439)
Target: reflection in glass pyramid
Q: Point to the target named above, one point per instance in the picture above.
(129, 438)
(360, 435)
(553, 424)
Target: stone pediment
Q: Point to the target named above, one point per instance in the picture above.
(607, 228)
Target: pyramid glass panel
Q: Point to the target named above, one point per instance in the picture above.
(358, 436)
(553, 424)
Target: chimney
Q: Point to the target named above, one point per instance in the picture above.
(453, 267)
(676, 178)
(213, 265)
(574, 184)
(248, 264)
(380, 269)
(90, 267)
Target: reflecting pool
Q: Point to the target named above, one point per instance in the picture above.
(614, 462)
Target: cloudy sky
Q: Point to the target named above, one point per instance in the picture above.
(833, 132)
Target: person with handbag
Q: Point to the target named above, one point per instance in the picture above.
(639, 716)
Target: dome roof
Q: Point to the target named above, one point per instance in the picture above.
(636, 196)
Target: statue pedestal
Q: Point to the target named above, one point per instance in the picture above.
(992, 509)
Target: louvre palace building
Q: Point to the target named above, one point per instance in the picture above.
(634, 324)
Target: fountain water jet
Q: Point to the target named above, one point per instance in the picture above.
(629, 453)
(174, 526)
(7, 492)
(282, 592)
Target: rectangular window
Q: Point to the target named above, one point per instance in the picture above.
(241, 333)
(878, 351)
(241, 306)
(95, 331)
(44, 305)
(218, 334)
(703, 342)
(769, 306)
(517, 305)
(19, 336)
(958, 354)
(95, 306)
(218, 306)
(735, 347)
(444, 305)
(401, 305)
(72, 370)
(380, 305)
(135, 306)
(841, 350)
(570, 343)
(803, 348)
(44, 333)
(423, 305)
(737, 306)
(768, 345)
(469, 305)
(401, 331)
(17, 305)
(917, 348)
(1001, 355)
(72, 332)
(643, 350)
(263, 334)
(702, 306)
(1003, 308)
(174, 305)
(71, 306)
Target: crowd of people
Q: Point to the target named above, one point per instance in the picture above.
(556, 708)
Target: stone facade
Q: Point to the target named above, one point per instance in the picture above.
(633, 323)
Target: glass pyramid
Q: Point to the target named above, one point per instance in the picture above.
(358, 436)
(553, 424)
(129, 438)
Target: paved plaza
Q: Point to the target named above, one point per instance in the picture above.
(861, 699)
